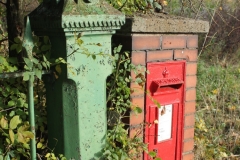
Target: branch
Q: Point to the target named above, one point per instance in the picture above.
(2, 40)
(5, 4)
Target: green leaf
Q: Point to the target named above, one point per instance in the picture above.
(138, 110)
(39, 145)
(152, 154)
(35, 60)
(45, 48)
(12, 60)
(26, 76)
(11, 103)
(119, 48)
(28, 134)
(11, 135)
(46, 39)
(17, 40)
(44, 58)
(14, 122)
(25, 145)
(13, 46)
(158, 159)
(28, 62)
(12, 113)
(38, 73)
(19, 48)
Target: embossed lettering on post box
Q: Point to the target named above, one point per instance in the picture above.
(163, 131)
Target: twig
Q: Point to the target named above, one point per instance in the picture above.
(205, 39)
(233, 30)
(7, 109)
(199, 9)
(233, 17)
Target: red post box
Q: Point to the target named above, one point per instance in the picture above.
(164, 122)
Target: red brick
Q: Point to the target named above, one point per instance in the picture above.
(145, 42)
(138, 101)
(191, 81)
(188, 145)
(137, 118)
(159, 55)
(136, 130)
(140, 70)
(138, 57)
(190, 107)
(137, 90)
(190, 94)
(173, 41)
(189, 120)
(189, 156)
(191, 69)
(188, 133)
(188, 55)
(192, 41)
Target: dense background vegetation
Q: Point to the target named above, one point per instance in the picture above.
(217, 117)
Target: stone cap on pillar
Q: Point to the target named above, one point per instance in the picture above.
(161, 23)
(84, 15)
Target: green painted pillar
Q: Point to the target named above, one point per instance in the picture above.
(76, 101)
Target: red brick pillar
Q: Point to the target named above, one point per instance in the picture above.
(160, 40)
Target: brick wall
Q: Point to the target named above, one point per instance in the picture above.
(161, 48)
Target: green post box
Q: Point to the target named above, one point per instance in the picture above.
(76, 101)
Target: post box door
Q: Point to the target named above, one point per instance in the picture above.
(163, 132)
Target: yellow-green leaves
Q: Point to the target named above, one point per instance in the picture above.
(11, 135)
(14, 122)
(4, 123)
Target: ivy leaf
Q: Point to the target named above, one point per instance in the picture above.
(14, 122)
(4, 123)
(11, 135)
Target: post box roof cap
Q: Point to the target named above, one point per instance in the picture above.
(161, 23)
